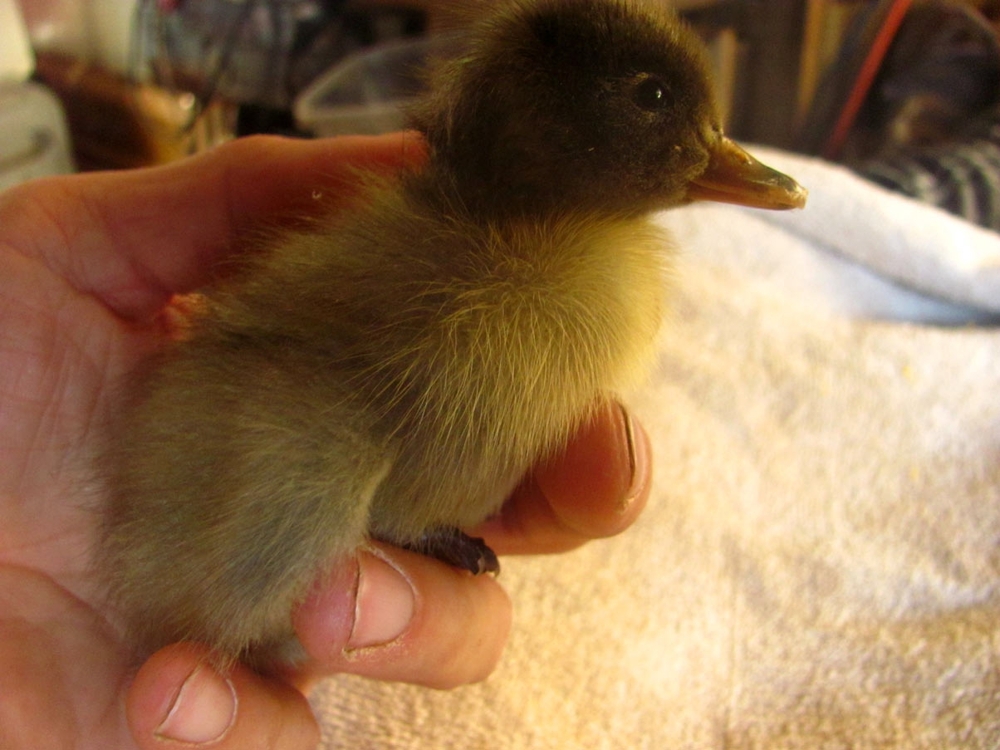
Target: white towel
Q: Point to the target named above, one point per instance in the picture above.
(819, 565)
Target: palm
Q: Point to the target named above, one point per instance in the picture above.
(60, 353)
(54, 386)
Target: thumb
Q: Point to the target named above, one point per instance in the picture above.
(180, 700)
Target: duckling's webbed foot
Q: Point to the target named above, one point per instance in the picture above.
(458, 549)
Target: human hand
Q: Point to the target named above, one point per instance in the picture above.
(92, 273)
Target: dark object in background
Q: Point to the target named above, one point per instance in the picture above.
(933, 122)
(925, 120)
(765, 70)
(961, 176)
(942, 69)
(118, 124)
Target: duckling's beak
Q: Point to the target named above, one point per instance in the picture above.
(733, 176)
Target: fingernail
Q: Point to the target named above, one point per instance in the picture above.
(384, 606)
(203, 711)
(638, 454)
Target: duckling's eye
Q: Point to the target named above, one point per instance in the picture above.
(651, 94)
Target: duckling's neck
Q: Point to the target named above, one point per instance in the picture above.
(497, 195)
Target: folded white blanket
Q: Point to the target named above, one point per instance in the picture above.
(819, 565)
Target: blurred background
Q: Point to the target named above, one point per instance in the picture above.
(906, 92)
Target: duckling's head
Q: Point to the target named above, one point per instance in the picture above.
(601, 105)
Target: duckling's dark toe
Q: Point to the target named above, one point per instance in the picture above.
(458, 549)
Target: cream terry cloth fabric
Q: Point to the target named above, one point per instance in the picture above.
(819, 564)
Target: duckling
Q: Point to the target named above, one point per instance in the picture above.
(392, 372)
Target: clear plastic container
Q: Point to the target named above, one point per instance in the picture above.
(366, 93)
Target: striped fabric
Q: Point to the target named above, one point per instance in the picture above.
(961, 176)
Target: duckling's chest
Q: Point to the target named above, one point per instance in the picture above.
(523, 329)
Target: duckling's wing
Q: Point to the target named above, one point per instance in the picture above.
(240, 475)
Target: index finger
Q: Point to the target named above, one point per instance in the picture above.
(136, 238)
(595, 487)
